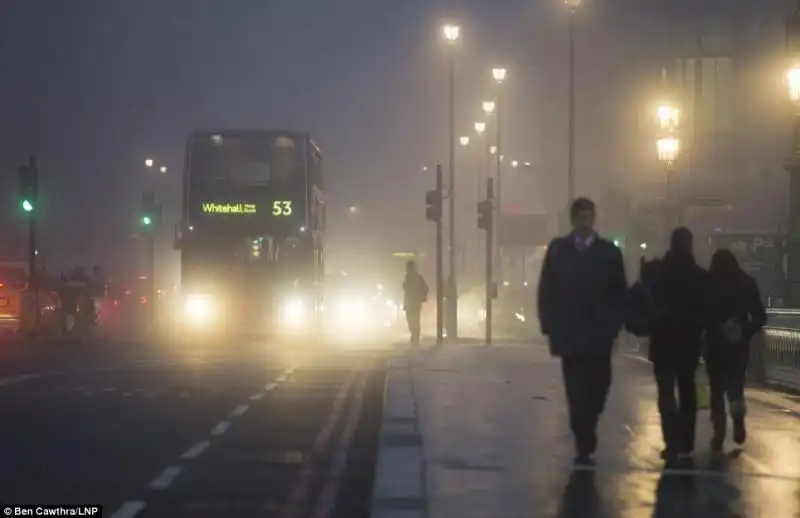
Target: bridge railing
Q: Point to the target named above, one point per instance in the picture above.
(774, 353)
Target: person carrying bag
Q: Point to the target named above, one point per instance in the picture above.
(737, 315)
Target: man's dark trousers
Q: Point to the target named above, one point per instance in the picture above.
(678, 417)
(587, 380)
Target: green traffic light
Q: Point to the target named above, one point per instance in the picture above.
(27, 206)
(146, 220)
(617, 243)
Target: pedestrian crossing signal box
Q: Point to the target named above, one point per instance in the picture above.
(433, 200)
(485, 211)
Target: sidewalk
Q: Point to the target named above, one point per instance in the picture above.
(472, 431)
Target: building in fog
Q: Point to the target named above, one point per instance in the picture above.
(721, 63)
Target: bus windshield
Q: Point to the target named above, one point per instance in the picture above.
(251, 158)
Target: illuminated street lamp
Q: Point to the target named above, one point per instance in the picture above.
(668, 149)
(515, 163)
(488, 107)
(493, 149)
(480, 127)
(163, 169)
(793, 83)
(499, 74)
(148, 162)
(451, 33)
(668, 116)
(464, 141)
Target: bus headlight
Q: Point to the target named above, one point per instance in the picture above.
(352, 311)
(294, 311)
(199, 308)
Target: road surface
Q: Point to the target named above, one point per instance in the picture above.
(231, 430)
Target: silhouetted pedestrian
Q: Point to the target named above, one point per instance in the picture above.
(737, 315)
(580, 302)
(415, 294)
(679, 295)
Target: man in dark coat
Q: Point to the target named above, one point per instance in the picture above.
(679, 296)
(580, 302)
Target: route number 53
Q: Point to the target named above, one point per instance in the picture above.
(281, 208)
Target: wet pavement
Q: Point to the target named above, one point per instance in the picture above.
(496, 444)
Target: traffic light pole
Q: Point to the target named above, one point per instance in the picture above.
(149, 235)
(29, 195)
(439, 263)
(489, 264)
(33, 274)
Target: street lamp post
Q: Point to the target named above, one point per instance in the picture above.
(452, 33)
(499, 76)
(488, 108)
(792, 166)
(668, 147)
(572, 5)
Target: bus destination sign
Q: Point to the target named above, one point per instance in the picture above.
(280, 208)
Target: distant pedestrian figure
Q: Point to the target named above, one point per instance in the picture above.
(737, 315)
(679, 296)
(415, 294)
(582, 291)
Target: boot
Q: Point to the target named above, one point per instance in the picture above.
(718, 422)
(738, 410)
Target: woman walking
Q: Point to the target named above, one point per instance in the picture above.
(737, 315)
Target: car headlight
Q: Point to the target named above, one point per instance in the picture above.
(294, 311)
(199, 308)
(351, 309)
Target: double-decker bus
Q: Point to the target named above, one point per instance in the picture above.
(252, 231)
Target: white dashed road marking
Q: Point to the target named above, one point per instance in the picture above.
(4, 382)
(240, 410)
(128, 510)
(196, 450)
(164, 480)
(221, 428)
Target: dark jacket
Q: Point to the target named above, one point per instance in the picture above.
(415, 292)
(581, 296)
(680, 296)
(639, 304)
(735, 295)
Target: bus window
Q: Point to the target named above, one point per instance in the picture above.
(247, 158)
